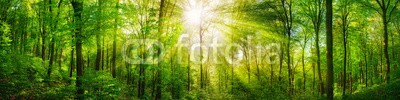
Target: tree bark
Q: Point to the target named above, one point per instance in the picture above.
(303, 64)
(160, 32)
(385, 46)
(98, 45)
(329, 54)
(78, 8)
(114, 51)
(51, 52)
(72, 64)
(316, 21)
(344, 24)
(386, 17)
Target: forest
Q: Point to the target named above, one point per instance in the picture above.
(199, 49)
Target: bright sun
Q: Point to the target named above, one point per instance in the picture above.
(194, 15)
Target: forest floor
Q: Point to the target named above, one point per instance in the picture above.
(389, 91)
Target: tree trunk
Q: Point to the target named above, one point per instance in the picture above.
(289, 65)
(258, 69)
(385, 46)
(50, 68)
(272, 71)
(320, 81)
(114, 51)
(385, 21)
(102, 56)
(366, 65)
(351, 83)
(317, 20)
(329, 54)
(72, 64)
(160, 32)
(51, 53)
(313, 83)
(344, 17)
(98, 45)
(201, 56)
(78, 8)
(281, 53)
(303, 64)
(381, 65)
(60, 57)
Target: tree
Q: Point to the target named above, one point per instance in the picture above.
(53, 27)
(98, 45)
(386, 10)
(160, 31)
(287, 20)
(78, 8)
(315, 13)
(329, 46)
(344, 11)
(114, 44)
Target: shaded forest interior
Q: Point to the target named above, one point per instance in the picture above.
(199, 49)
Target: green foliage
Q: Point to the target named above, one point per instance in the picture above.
(28, 28)
(4, 35)
(19, 75)
(379, 92)
(100, 85)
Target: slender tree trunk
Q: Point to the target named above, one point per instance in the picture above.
(258, 69)
(37, 46)
(287, 19)
(329, 54)
(87, 60)
(381, 65)
(246, 51)
(60, 57)
(317, 20)
(385, 46)
(108, 59)
(72, 64)
(351, 83)
(160, 31)
(51, 52)
(361, 72)
(98, 45)
(43, 42)
(98, 53)
(313, 83)
(366, 65)
(102, 56)
(344, 64)
(272, 71)
(289, 65)
(281, 53)
(52, 44)
(128, 69)
(78, 8)
(114, 51)
(344, 23)
(50, 67)
(303, 64)
(320, 81)
(201, 56)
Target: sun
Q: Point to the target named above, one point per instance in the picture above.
(194, 15)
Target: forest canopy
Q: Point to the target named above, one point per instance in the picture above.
(199, 49)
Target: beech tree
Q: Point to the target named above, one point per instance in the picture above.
(199, 49)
